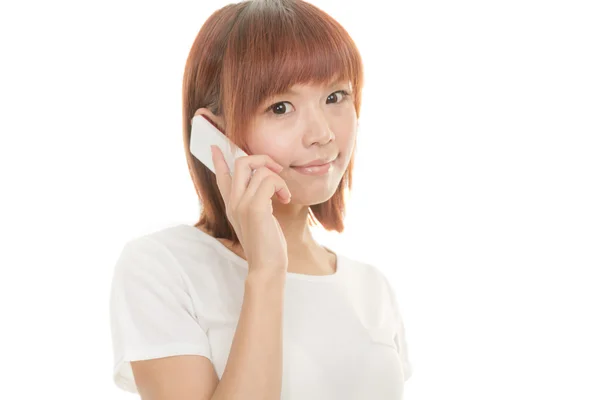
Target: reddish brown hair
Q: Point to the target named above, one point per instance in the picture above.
(247, 52)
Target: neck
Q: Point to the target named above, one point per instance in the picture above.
(304, 253)
(293, 220)
(303, 250)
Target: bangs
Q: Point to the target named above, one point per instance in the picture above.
(276, 45)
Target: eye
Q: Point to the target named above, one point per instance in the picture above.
(343, 95)
(280, 108)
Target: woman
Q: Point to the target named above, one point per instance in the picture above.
(245, 304)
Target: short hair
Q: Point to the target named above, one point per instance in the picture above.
(247, 52)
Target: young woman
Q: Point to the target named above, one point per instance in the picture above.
(245, 304)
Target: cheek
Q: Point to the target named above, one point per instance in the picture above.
(279, 148)
(345, 135)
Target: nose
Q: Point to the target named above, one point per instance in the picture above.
(318, 130)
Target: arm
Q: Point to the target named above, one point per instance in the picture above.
(254, 366)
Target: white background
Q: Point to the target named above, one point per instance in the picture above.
(477, 184)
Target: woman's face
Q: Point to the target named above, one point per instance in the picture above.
(308, 123)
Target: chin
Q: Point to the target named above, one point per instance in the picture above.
(311, 199)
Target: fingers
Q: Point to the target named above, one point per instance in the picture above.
(221, 173)
(265, 177)
(234, 188)
(270, 184)
(243, 170)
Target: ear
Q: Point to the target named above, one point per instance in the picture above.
(218, 120)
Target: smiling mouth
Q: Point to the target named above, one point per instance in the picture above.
(312, 164)
(316, 170)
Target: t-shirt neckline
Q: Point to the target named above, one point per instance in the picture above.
(289, 275)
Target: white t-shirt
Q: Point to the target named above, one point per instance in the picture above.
(180, 291)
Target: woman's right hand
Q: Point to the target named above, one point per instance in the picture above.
(249, 207)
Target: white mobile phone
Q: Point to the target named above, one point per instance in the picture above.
(204, 134)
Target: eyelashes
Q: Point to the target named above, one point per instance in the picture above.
(345, 95)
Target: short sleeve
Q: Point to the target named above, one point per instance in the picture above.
(400, 340)
(151, 312)
(400, 337)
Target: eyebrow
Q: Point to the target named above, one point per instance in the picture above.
(297, 93)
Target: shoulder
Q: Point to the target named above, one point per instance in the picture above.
(169, 251)
(172, 243)
(363, 276)
(364, 270)
(368, 276)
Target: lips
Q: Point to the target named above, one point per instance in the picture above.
(316, 163)
(319, 169)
